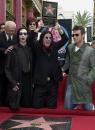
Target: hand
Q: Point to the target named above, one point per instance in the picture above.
(59, 28)
(9, 49)
(64, 74)
(16, 88)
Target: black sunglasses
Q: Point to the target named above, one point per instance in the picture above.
(22, 33)
(48, 37)
(32, 24)
(75, 35)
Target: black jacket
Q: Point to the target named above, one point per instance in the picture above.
(13, 70)
(46, 64)
(13, 67)
(4, 44)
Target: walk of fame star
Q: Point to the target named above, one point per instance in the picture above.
(49, 9)
(43, 123)
(39, 122)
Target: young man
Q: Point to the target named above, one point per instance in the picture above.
(81, 63)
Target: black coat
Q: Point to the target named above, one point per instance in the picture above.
(46, 64)
(13, 70)
(4, 44)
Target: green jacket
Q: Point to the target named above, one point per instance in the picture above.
(81, 66)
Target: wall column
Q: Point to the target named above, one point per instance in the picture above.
(2, 11)
(18, 12)
(30, 13)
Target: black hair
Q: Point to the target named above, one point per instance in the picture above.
(18, 33)
(42, 37)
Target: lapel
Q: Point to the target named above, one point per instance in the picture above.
(4, 36)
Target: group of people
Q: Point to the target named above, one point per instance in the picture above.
(30, 71)
(29, 67)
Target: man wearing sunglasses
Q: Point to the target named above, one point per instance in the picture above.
(81, 63)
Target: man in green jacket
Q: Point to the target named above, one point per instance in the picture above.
(81, 63)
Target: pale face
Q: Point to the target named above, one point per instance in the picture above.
(47, 40)
(23, 37)
(11, 30)
(78, 37)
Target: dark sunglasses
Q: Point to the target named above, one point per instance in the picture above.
(22, 33)
(75, 35)
(48, 37)
(32, 24)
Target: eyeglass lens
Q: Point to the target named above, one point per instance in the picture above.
(75, 35)
(48, 37)
(22, 33)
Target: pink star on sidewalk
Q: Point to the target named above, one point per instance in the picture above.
(39, 123)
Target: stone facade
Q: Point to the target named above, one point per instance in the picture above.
(19, 10)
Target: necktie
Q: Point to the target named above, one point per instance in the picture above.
(9, 38)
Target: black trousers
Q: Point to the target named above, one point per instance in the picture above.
(27, 90)
(45, 95)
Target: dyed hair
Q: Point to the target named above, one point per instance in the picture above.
(29, 21)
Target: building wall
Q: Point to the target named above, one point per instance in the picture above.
(24, 13)
(17, 10)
